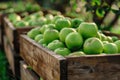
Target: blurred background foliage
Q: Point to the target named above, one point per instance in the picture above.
(105, 13)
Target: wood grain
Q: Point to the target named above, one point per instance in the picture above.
(105, 67)
(27, 74)
(44, 62)
(13, 33)
(12, 57)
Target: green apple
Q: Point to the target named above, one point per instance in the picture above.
(62, 51)
(32, 33)
(20, 24)
(105, 42)
(41, 21)
(46, 27)
(103, 37)
(98, 35)
(41, 41)
(62, 23)
(109, 39)
(76, 54)
(88, 30)
(64, 32)
(50, 35)
(74, 41)
(14, 17)
(76, 22)
(57, 17)
(32, 8)
(118, 45)
(114, 38)
(29, 18)
(93, 46)
(38, 14)
(38, 37)
(55, 44)
(110, 48)
(49, 18)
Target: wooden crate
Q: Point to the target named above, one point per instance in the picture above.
(27, 74)
(55, 67)
(12, 58)
(13, 33)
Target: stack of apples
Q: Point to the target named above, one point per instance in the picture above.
(34, 19)
(74, 37)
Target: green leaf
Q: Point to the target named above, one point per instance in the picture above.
(100, 12)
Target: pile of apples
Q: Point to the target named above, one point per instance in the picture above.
(34, 19)
(18, 6)
(74, 37)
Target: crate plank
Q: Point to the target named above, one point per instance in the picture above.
(47, 64)
(27, 74)
(12, 58)
(94, 67)
(13, 33)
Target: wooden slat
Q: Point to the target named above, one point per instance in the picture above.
(27, 74)
(12, 58)
(105, 67)
(13, 33)
(46, 63)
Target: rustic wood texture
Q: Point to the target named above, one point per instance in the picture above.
(101, 67)
(47, 64)
(12, 58)
(13, 33)
(27, 74)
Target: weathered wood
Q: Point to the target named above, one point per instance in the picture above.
(12, 58)
(47, 64)
(95, 67)
(13, 33)
(89, 67)
(27, 74)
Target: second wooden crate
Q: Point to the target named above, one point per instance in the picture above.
(13, 33)
(27, 74)
(12, 58)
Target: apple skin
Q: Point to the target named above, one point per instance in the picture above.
(38, 37)
(109, 39)
(62, 23)
(103, 37)
(76, 54)
(14, 17)
(50, 35)
(114, 38)
(62, 51)
(64, 32)
(110, 48)
(88, 30)
(93, 46)
(118, 45)
(74, 41)
(55, 44)
(56, 18)
(49, 18)
(76, 22)
(32, 33)
(20, 24)
(46, 27)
